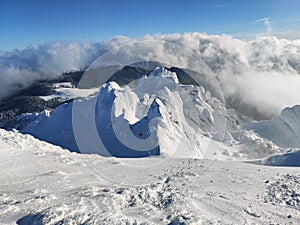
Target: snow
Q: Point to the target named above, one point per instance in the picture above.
(154, 157)
(149, 119)
(162, 72)
(284, 130)
(42, 183)
(253, 74)
(286, 159)
(65, 91)
(159, 116)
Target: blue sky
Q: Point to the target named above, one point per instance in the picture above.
(31, 22)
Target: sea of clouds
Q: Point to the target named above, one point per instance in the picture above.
(259, 77)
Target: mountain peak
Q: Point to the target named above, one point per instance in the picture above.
(164, 73)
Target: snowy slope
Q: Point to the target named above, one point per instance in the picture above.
(287, 159)
(42, 183)
(284, 130)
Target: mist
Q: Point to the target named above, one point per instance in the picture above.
(258, 77)
(20, 68)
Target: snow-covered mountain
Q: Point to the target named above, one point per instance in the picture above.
(153, 112)
(159, 116)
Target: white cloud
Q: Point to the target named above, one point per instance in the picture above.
(262, 74)
(20, 68)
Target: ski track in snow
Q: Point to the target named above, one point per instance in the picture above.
(45, 183)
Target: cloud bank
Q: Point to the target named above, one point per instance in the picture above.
(259, 77)
(20, 68)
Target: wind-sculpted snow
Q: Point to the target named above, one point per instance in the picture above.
(284, 130)
(158, 116)
(167, 115)
(252, 73)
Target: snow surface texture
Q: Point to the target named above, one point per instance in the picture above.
(159, 116)
(44, 184)
(245, 69)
